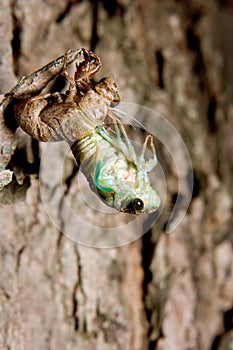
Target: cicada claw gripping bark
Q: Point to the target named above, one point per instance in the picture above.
(109, 160)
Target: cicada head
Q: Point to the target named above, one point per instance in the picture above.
(125, 187)
(137, 198)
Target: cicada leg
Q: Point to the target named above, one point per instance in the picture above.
(126, 148)
(89, 67)
(116, 142)
(37, 81)
(131, 155)
(85, 69)
(151, 163)
(81, 83)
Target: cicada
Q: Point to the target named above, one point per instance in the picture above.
(79, 116)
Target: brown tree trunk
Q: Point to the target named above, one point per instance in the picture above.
(164, 291)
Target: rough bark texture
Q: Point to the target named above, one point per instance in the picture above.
(163, 291)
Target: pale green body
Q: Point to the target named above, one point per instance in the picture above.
(119, 176)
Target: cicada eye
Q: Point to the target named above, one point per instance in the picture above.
(138, 204)
(135, 206)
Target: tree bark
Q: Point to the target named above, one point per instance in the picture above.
(163, 291)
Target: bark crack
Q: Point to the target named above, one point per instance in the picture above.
(18, 257)
(66, 11)
(147, 254)
(160, 67)
(94, 33)
(16, 40)
(79, 297)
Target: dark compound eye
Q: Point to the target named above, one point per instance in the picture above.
(138, 204)
(134, 206)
